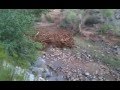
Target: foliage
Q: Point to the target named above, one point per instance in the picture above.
(109, 21)
(104, 28)
(15, 29)
(8, 72)
(7, 67)
(70, 18)
(36, 12)
(49, 19)
(107, 13)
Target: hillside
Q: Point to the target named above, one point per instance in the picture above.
(71, 45)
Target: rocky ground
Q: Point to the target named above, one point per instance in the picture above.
(77, 64)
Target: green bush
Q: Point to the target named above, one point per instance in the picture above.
(9, 72)
(16, 27)
(16, 46)
(36, 12)
(70, 18)
(73, 20)
(104, 28)
(110, 22)
(7, 67)
(107, 13)
(49, 19)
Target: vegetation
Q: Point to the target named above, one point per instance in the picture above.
(18, 50)
(104, 28)
(16, 46)
(110, 22)
(72, 20)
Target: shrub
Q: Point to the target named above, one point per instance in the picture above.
(104, 28)
(15, 29)
(70, 20)
(107, 13)
(16, 47)
(36, 12)
(90, 21)
(110, 22)
(49, 19)
(39, 12)
(7, 67)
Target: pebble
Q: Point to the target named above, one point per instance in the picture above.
(89, 46)
(31, 77)
(101, 78)
(52, 79)
(87, 73)
(60, 78)
(41, 79)
(48, 74)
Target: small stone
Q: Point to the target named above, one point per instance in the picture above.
(52, 79)
(48, 74)
(91, 60)
(31, 77)
(60, 78)
(89, 55)
(96, 72)
(103, 55)
(89, 46)
(94, 80)
(64, 49)
(101, 78)
(41, 69)
(87, 73)
(35, 69)
(41, 79)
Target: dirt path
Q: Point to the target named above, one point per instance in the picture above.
(72, 66)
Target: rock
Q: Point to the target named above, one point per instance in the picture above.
(100, 78)
(87, 73)
(41, 69)
(31, 77)
(48, 74)
(41, 79)
(52, 79)
(35, 69)
(60, 78)
(94, 80)
(40, 62)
